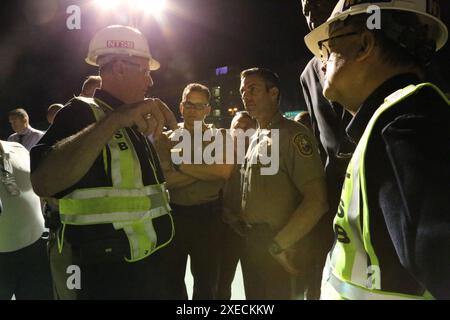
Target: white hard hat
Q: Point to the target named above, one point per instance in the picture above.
(427, 11)
(119, 40)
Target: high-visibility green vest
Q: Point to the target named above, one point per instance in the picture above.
(127, 204)
(352, 270)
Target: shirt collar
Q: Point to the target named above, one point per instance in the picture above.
(357, 125)
(274, 122)
(205, 126)
(107, 98)
(25, 131)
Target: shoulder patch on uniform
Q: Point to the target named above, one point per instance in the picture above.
(303, 144)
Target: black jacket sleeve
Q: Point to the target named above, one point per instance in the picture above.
(418, 148)
(71, 119)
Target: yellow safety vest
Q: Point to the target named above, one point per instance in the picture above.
(352, 270)
(127, 204)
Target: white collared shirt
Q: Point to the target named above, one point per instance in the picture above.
(31, 136)
(21, 219)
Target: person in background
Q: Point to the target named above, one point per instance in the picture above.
(304, 118)
(24, 133)
(52, 110)
(196, 199)
(327, 121)
(233, 233)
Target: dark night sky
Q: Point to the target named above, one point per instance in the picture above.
(42, 62)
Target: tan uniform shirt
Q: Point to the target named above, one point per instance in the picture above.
(196, 193)
(273, 198)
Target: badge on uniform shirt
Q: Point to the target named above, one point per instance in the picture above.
(303, 144)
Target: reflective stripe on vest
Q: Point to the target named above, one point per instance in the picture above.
(128, 204)
(337, 289)
(107, 205)
(352, 270)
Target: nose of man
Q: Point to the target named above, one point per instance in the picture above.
(323, 67)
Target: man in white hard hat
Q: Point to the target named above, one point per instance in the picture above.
(97, 161)
(392, 226)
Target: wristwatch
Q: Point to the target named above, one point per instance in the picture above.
(274, 248)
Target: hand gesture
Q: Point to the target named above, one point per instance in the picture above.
(286, 259)
(148, 116)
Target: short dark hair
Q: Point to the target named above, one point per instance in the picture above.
(269, 77)
(243, 113)
(403, 39)
(55, 107)
(19, 112)
(196, 87)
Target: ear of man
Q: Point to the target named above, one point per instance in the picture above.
(367, 46)
(274, 92)
(208, 110)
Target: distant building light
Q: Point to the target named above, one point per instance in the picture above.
(221, 71)
(216, 91)
(232, 110)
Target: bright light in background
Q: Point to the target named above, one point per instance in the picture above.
(107, 4)
(154, 7)
(135, 11)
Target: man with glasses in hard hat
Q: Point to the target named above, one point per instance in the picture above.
(97, 161)
(392, 226)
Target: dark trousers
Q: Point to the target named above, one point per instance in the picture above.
(196, 234)
(108, 277)
(264, 277)
(26, 273)
(230, 251)
(311, 252)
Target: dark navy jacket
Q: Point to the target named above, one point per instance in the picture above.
(408, 184)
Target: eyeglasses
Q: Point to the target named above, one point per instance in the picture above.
(196, 106)
(325, 50)
(142, 69)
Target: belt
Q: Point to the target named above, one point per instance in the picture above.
(202, 205)
(259, 229)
